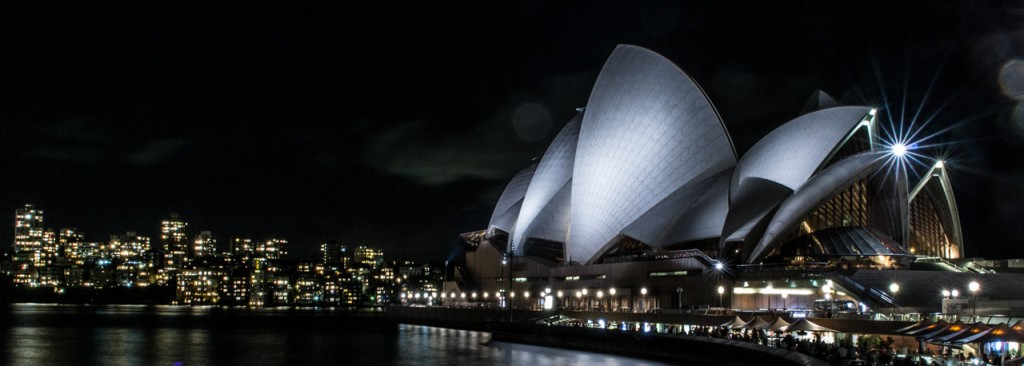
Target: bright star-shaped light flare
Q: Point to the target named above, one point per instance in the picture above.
(899, 149)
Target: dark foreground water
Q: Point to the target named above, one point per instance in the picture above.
(168, 335)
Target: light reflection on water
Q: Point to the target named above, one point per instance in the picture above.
(165, 335)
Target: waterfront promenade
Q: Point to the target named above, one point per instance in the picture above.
(519, 326)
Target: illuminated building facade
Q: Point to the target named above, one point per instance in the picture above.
(368, 257)
(243, 249)
(273, 248)
(174, 238)
(308, 289)
(199, 285)
(51, 249)
(334, 254)
(205, 244)
(71, 241)
(644, 192)
(235, 286)
(129, 246)
(28, 236)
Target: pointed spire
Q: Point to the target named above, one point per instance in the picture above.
(819, 100)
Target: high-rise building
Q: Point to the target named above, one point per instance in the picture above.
(50, 248)
(28, 235)
(70, 241)
(332, 252)
(129, 246)
(234, 287)
(174, 237)
(259, 292)
(368, 257)
(272, 248)
(243, 249)
(205, 244)
(199, 285)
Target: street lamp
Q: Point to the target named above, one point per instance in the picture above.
(894, 288)
(504, 299)
(611, 299)
(955, 293)
(721, 290)
(784, 296)
(643, 302)
(974, 287)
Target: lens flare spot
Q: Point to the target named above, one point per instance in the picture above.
(899, 149)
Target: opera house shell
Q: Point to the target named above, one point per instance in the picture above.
(643, 191)
(649, 166)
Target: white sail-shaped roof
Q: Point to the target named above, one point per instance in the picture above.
(791, 153)
(694, 211)
(507, 209)
(705, 218)
(553, 173)
(551, 223)
(818, 190)
(782, 161)
(944, 202)
(648, 130)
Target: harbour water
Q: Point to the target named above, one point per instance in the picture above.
(173, 335)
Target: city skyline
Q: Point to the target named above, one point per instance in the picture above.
(62, 266)
(195, 241)
(399, 128)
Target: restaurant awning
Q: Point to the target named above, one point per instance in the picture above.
(735, 323)
(998, 333)
(776, 324)
(943, 331)
(963, 333)
(804, 325)
(756, 323)
(927, 329)
(920, 324)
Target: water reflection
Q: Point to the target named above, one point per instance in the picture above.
(158, 335)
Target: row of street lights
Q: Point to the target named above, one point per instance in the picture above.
(547, 293)
(973, 287)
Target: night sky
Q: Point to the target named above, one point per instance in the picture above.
(399, 126)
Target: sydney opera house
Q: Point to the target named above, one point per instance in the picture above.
(641, 202)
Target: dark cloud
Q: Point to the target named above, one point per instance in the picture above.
(79, 129)
(157, 151)
(415, 149)
(516, 132)
(532, 121)
(65, 154)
